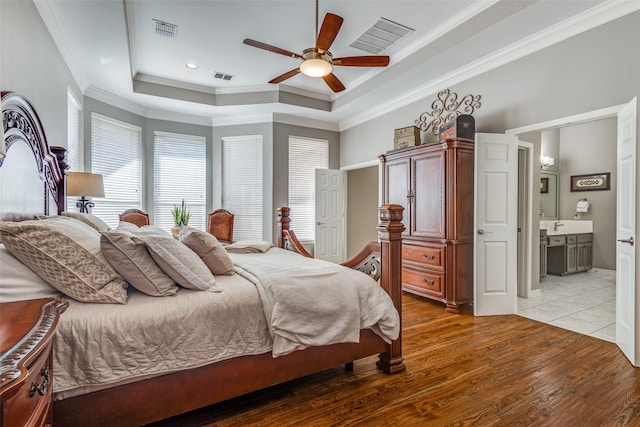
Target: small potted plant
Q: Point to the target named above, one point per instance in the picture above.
(181, 217)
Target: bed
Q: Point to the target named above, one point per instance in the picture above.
(32, 184)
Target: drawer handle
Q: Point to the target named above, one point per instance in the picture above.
(42, 388)
(428, 282)
(429, 257)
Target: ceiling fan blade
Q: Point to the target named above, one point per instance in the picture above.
(328, 32)
(285, 76)
(362, 61)
(270, 48)
(333, 82)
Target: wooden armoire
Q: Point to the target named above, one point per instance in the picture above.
(434, 184)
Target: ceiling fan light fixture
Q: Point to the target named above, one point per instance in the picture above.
(315, 64)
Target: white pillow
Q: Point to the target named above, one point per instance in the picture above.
(18, 282)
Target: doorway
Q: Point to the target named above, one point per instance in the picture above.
(582, 302)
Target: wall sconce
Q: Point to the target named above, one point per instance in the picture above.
(547, 162)
(85, 184)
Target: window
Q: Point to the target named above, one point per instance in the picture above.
(116, 153)
(305, 156)
(179, 172)
(242, 184)
(74, 148)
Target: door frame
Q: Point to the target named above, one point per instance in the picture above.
(527, 234)
(589, 116)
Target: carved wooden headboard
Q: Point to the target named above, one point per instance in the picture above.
(32, 173)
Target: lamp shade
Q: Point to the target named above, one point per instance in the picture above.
(85, 184)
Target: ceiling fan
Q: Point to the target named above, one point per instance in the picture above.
(318, 61)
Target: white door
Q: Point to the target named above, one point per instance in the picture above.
(495, 246)
(626, 234)
(330, 208)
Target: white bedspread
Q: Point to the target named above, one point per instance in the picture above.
(309, 302)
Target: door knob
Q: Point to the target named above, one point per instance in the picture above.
(481, 231)
(319, 223)
(629, 241)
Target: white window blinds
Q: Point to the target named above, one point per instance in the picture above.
(74, 148)
(116, 153)
(305, 156)
(242, 184)
(179, 172)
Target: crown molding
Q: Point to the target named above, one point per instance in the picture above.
(171, 116)
(587, 20)
(241, 120)
(115, 101)
(305, 122)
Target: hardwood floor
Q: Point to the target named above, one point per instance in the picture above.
(461, 371)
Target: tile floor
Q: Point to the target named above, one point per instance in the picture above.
(581, 302)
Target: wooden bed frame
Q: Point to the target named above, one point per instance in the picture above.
(164, 396)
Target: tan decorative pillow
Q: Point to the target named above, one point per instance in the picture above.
(66, 254)
(134, 263)
(179, 262)
(208, 248)
(88, 219)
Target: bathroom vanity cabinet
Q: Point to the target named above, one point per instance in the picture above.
(571, 253)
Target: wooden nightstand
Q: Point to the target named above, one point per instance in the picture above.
(26, 374)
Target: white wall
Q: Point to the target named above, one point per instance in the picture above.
(31, 65)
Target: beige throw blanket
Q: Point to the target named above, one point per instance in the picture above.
(248, 246)
(309, 302)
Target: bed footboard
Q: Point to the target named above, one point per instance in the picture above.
(381, 260)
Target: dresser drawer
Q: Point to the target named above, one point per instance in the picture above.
(426, 281)
(430, 255)
(31, 404)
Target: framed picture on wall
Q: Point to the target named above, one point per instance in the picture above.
(544, 185)
(591, 182)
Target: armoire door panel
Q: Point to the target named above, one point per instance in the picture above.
(429, 181)
(397, 190)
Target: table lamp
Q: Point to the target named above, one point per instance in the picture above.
(85, 185)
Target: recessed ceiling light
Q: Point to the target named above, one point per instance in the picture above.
(191, 66)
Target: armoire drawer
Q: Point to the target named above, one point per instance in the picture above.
(433, 256)
(431, 282)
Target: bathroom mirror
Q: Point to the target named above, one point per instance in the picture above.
(549, 195)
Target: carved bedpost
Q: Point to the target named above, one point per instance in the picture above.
(390, 235)
(61, 156)
(282, 222)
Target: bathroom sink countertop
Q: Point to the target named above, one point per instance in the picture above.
(567, 227)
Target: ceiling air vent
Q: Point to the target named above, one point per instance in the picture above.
(381, 35)
(166, 29)
(223, 76)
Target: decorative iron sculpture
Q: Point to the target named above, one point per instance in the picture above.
(446, 108)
